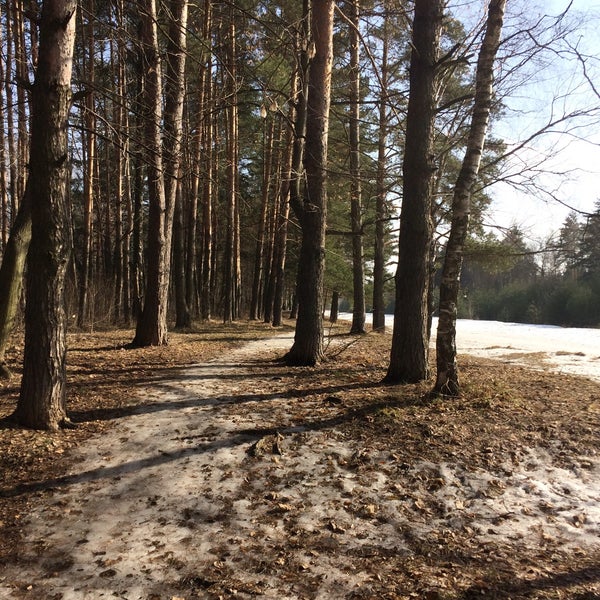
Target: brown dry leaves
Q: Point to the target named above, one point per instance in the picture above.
(103, 376)
(503, 408)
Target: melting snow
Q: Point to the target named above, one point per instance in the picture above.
(172, 491)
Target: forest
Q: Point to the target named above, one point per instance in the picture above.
(186, 189)
(223, 161)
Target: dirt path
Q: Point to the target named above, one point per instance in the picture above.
(225, 484)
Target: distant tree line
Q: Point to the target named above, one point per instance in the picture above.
(507, 279)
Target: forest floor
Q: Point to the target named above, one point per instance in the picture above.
(208, 469)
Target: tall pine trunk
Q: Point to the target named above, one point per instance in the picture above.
(41, 403)
(447, 381)
(259, 273)
(4, 200)
(175, 75)
(151, 327)
(358, 277)
(162, 186)
(231, 279)
(410, 339)
(281, 231)
(381, 193)
(308, 341)
(290, 178)
(201, 179)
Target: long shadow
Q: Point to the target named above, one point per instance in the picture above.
(242, 437)
(524, 588)
(205, 338)
(196, 402)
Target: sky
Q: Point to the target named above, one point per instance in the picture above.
(568, 178)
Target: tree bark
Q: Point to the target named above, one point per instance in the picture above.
(410, 342)
(4, 200)
(335, 304)
(257, 279)
(292, 164)
(358, 277)
(280, 246)
(11, 276)
(447, 381)
(13, 160)
(308, 341)
(175, 75)
(125, 165)
(231, 271)
(119, 186)
(152, 325)
(88, 174)
(381, 193)
(183, 315)
(41, 401)
(201, 169)
(22, 58)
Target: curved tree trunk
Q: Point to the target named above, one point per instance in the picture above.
(41, 403)
(308, 341)
(410, 341)
(447, 381)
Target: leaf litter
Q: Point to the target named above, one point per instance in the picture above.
(239, 477)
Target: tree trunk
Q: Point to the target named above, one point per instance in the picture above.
(13, 160)
(300, 95)
(335, 304)
(88, 175)
(22, 58)
(308, 341)
(11, 276)
(272, 220)
(381, 194)
(183, 316)
(358, 277)
(257, 280)
(201, 150)
(152, 325)
(4, 200)
(119, 186)
(137, 286)
(410, 342)
(208, 230)
(280, 246)
(125, 166)
(41, 402)
(447, 381)
(231, 273)
(175, 75)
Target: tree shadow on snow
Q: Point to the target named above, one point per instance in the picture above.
(555, 583)
(245, 436)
